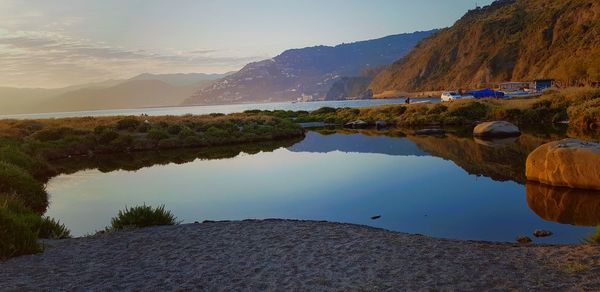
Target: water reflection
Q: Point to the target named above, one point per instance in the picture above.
(451, 186)
(564, 205)
(137, 160)
(497, 143)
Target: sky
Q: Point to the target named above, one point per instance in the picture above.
(59, 43)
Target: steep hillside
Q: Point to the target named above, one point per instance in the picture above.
(308, 71)
(507, 40)
(355, 87)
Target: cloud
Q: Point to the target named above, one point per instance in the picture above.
(51, 59)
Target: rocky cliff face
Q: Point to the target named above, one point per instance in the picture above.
(507, 40)
(307, 72)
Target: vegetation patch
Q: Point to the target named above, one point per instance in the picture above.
(143, 216)
(15, 180)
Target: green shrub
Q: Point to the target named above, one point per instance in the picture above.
(157, 134)
(16, 237)
(53, 134)
(14, 180)
(174, 129)
(324, 110)
(122, 142)
(14, 156)
(107, 137)
(144, 128)
(100, 129)
(215, 132)
(129, 124)
(143, 216)
(186, 132)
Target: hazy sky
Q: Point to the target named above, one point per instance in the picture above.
(57, 43)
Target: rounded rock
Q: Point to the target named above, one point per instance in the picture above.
(569, 163)
(497, 129)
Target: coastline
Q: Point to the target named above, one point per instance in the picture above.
(302, 255)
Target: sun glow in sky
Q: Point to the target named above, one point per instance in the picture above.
(59, 43)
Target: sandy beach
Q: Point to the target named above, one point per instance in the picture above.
(296, 255)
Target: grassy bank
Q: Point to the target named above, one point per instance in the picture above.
(579, 106)
(31, 152)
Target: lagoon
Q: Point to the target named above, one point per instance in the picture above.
(415, 183)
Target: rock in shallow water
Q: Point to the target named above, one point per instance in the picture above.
(496, 129)
(541, 233)
(569, 162)
(523, 239)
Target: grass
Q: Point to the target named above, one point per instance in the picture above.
(581, 106)
(143, 216)
(593, 238)
(31, 192)
(16, 237)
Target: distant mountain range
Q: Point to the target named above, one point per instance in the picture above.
(509, 40)
(145, 90)
(308, 72)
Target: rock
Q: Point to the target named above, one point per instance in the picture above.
(430, 132)
(375, 217)
(358, 124)
(523, 239)
(496, 129)
(541, 233)
(569, 163)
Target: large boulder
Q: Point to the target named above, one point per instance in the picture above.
(569, 163)
(497, 129)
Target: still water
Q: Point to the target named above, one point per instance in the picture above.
(453, 187)
(223, 109)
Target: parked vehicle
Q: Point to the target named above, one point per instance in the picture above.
(453, 95)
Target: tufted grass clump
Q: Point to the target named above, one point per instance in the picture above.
(51, 229)
(143, 216)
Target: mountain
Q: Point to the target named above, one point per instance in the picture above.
(509, 40)
(182, 79)
(145, 90)
(129, 94)
(305, 72)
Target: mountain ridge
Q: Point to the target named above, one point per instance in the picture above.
(509, 40)
(305, 72)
